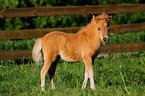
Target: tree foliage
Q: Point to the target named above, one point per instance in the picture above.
(63, 21)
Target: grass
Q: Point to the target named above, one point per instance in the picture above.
(24, 79)
(114, 75)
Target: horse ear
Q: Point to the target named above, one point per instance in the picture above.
(110, 18)
(103, 13)
(93, 17)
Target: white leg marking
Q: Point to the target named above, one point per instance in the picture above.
(86, 79)
(92, 85)
(42, 80)
(91, 74)
(52, 85)
(43, 85)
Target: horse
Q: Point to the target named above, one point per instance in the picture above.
(81, 46)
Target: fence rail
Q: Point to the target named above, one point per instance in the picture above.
(71, 10)
(35, 33)
(111, 48)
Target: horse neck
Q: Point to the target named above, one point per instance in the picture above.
(88, 29)
(91, 32)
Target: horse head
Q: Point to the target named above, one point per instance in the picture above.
(102, 27)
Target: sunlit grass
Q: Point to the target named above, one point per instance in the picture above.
(24, 79)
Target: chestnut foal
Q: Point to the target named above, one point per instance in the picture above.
(82, 46)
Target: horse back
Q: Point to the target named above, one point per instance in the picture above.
(63, 44)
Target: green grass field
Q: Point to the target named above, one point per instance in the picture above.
(24, 79)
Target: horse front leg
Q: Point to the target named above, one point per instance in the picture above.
(86, 79)
(91, 76)
(89, 72)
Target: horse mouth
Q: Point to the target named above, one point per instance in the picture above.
(104, 43)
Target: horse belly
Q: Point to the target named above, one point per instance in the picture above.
(70, 57)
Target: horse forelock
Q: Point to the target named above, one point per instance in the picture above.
(104, 16)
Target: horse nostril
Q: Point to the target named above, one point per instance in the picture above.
(106, 39)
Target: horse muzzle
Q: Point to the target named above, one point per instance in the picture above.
(105, 40)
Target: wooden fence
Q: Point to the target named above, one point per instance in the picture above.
(71, 10)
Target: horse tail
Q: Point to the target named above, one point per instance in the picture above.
(36, 52)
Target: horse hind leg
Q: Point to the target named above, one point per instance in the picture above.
(51, 72)
(43, 74)
(48, 61)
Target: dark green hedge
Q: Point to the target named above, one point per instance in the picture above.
(63, 21)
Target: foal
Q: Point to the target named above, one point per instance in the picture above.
(82, 46)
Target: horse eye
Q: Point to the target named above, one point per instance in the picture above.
(98, 28)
